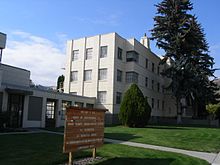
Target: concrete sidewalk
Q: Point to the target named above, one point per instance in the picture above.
(212, 158)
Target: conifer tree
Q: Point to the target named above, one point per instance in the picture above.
(181, 36)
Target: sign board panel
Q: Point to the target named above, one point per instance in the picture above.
(84, 129)
(2, 40)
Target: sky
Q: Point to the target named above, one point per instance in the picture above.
(37, 30)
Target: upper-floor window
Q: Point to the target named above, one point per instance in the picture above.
(158, 87)
(152, 67)
(118, 97)
(158, 70)
(163, 103)
(104, 50)
(119, 75)
(132, 56)
(102, 96)
(89, 53)
(74, 76)
(158, 104)
(152, 103)
(146, 81)
(131, 77)
(87, 75)
(146, 63)
(152, 84)
(75, 55)
(103, 74)
(119, 53)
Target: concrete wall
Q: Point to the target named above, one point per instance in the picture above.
(14, 76)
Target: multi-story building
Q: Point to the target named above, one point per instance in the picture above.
(104, 66)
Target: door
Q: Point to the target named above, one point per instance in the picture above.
(50, 120)
(15, 108)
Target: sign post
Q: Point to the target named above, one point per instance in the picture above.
(84, 129)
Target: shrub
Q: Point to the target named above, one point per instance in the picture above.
(135, 110)
(213, 110)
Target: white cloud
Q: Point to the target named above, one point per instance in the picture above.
(41, 56)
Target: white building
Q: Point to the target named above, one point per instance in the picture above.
(32, 106)
(104, 66)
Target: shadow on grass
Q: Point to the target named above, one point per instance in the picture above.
(136, 161)
(168, 127)
(121, 136)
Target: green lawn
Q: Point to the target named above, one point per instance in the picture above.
(191, 138)
(46, 149)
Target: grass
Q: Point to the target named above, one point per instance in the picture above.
(46, 149)
(190, 138)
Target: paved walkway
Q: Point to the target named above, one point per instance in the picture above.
(212, 158)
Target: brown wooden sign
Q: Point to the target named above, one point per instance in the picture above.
(84, 129)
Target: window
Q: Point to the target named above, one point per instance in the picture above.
(89, 105)
(158, 70)
(50, 111)
(146, 81)
(75, 55)
(103, 52)
(79, 104)
(146, 63)
(74, 76)
(132, 56)
(88, 53)
(87, 75)
(118, 97)
(131, 77)
(119, 53)
(152, 103)
(163, 105)
(152, 67)
(119, 75)
(102, 74)
(158, 87)
(65, 104)
(152, 84)
(158, 104)
(102, 96)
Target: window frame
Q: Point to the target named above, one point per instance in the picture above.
(101, 51)
(89, 53)
(73, 78)
(75, 55)
(103, 76)
(89, 77)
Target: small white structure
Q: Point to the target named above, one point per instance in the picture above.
(31, 106)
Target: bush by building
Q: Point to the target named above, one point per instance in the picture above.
(135, 110)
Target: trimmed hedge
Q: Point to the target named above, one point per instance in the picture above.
(135, 110)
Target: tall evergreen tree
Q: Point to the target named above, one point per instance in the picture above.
(181, 36)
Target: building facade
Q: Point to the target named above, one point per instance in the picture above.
(104, 66)
(31, 106)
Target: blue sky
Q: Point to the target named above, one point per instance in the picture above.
(37, 30)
